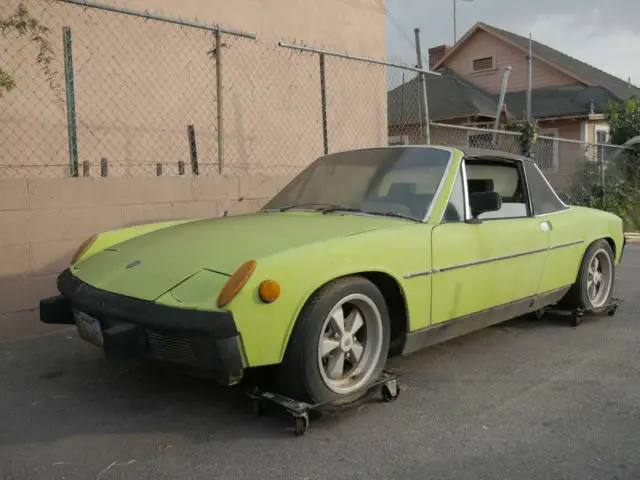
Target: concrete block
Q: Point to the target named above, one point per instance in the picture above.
(52, 257)
(202, 209)
(254, 186)
(47, 193)
(13, 194)
(81, 223)
(138, 214)
(24, 293)
(18, 227)
(14, 260)
(216, 188)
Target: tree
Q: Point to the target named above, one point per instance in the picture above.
(25, 26)
(623, 120)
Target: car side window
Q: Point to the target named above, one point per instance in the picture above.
(502, 177)
(543, 199)
(454, 211)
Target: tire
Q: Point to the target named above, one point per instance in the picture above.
(579, 295)
(306, 374)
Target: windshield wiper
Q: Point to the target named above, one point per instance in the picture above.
(397, 215)
(340, 208)
(321, 205)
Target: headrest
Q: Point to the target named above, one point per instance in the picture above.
(480, 185)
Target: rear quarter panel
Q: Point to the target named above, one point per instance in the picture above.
(578, 224)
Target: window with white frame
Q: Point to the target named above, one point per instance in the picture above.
(602, 133)
(601, 137)
(546, 154)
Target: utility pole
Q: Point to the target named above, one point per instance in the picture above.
(529, 80)
(426, 134)
(503, 91)
(455, 33)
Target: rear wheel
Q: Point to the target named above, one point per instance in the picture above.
(596, 278)
(339, 345)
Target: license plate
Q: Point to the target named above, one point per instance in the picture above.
(89, 328)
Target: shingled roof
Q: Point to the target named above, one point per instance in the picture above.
(449, 97)
(561, 101)
(581, 71)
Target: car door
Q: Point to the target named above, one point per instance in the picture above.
(496, 263)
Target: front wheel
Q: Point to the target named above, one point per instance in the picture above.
(594, 285)
(339, 345)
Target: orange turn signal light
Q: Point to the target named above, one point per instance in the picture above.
(235, 283)
(84, 246)
(269, 291)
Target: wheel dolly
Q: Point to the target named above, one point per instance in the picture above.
(299, 410)
(575, 315)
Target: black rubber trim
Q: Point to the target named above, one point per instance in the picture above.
(100, 303)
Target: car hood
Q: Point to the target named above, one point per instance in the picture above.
(149, 265)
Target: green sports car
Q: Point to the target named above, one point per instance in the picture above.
(365, 254)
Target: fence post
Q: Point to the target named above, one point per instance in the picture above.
(180, 167)
(104, 167)
(602, 175)
(219, 100)
(158, 169)
(193, 149)
(86, 168)
(72, 130)
(323, 96)
(426, 133)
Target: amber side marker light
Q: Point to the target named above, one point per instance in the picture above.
(84, 246)
(236, 282)
(269, 291)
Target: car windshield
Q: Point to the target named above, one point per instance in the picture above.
(399, 182)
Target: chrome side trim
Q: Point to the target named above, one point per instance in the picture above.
(542, 215)
(418, 274)
(567, 244)
(549, 185)
(489, 260)
(465, 189)
(425, 273)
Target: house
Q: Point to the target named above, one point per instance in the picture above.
(569, 97)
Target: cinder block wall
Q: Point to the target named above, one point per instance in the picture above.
(42, 222)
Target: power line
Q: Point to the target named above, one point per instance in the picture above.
(399, 28)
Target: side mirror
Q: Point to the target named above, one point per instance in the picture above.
(481, 202)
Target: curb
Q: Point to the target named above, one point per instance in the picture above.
(632, 237)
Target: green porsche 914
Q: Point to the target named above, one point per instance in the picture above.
(366, 254)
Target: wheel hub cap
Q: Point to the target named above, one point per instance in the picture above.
(350, 344)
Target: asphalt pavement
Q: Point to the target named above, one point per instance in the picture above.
(523, 400)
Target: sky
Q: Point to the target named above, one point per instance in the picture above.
(603, 34)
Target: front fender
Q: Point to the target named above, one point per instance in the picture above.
(266, 328)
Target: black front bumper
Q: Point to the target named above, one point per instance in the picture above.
(134, 329)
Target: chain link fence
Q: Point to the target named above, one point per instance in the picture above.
(136, 94)
(96, 90)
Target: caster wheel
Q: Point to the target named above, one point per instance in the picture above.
(576, 320)
(390, 394)
(259, 408)
(302, 425)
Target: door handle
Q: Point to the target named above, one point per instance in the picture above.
(545, 226)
